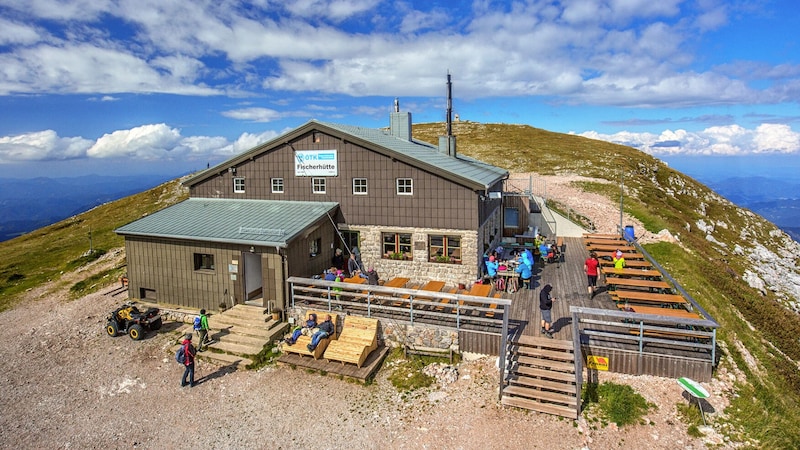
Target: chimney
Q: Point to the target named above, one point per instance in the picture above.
(400, 123)
(447, 143)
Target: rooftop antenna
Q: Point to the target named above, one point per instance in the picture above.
(396, 104)
(449, 106)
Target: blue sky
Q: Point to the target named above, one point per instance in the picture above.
(166, 86)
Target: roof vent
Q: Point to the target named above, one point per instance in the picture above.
(400, 122)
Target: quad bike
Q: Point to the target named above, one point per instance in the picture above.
(127, 319)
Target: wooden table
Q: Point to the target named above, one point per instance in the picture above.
(596, 241)
(397, 282)
(601, 236)
(669, 312)
(612, 248)
(648, 297)
(635, 282)
(633, 264)
(643, 273)
(480, 290)
(627, 256)
(355, 280)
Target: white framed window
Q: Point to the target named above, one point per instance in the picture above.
(318, 185)
(238, 185)
(405, 186)
(359, 186)
(277, 185)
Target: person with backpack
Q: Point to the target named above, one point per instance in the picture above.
(201, 327)
(189, 353)
(546, 305)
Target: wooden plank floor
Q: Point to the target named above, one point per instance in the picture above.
(569, 287)
(371, 365)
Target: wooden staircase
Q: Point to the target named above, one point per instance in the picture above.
(540, 376)
(240, 333)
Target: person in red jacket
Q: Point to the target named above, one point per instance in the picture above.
(590, 266)
(190, 352)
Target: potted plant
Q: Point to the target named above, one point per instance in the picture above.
(276, 313)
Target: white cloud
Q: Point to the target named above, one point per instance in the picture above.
(253, 114)
(153, 142)
(718, 140)
(144, 142)
(41, 146)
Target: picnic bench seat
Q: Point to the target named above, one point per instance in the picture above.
(300, 347)
(359, 337)
(443, 302)
(493, 306)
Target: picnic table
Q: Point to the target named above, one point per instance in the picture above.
(611, 248)
(634, 264)
(635, 282)
(596, 241)
(643, 273)
(480, 290)
(624, 295)
(601, 236)
(669, 312)
(355, 280)
(627, 256)
(397, 282)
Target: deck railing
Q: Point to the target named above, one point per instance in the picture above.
(448, 310)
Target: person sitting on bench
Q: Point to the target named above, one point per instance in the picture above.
(325, 330)
(311, 323)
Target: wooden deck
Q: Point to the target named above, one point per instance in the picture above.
(365, 372)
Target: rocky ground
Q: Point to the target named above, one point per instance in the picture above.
(65, 384)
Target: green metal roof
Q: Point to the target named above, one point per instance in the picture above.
(248, 222)
(471, 169)
(462, 169)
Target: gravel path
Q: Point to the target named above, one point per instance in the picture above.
(65, 384)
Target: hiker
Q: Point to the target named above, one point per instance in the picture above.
(619, 260)
(325, 329)
(590, 266)
(310, 324)
(201, 327)
(353, 266)
(189, 352)
(546, 305)
(372, 277)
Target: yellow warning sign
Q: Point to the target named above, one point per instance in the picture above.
(597, 362)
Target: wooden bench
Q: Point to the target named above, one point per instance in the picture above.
(632, 264)
(493, 306)
(648, 297)
(359, 337)
(444, 302)
(635, 282)
(301, 346)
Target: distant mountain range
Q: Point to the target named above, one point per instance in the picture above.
(29, 204)
(776, 200)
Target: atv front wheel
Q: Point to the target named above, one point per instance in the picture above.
(136, 332)
(112, 329)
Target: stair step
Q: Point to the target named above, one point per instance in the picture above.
(246, 311)
(560, 355)
(549, 408)
(224, 321)
(238, 362)
(546, 343)
(543, 373)
(537, 394)
(562, 386)
(236, 348)
(238, 338)
(546, 363)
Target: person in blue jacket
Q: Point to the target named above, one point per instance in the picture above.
(524, 272)
(491, 267)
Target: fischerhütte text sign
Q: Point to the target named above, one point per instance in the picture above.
(316, 163)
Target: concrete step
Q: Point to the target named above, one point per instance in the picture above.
(237, 348)
(224, 321)
(224, 359)
(245, 311)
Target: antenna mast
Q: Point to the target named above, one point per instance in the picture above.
(449, 106)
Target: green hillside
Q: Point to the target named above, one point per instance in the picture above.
(758, 337)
